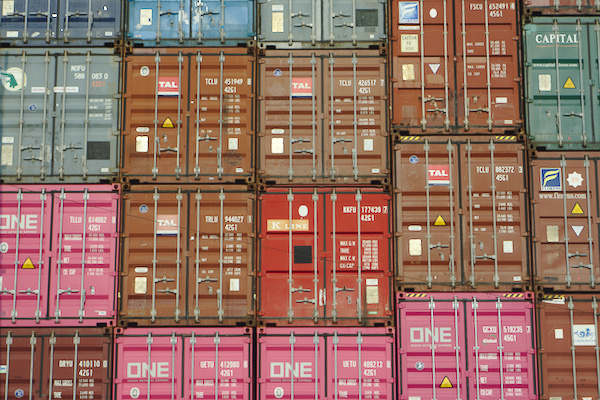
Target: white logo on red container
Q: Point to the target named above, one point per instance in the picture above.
(167, 224)
(168, 86)
(302, 87)
(27, 221)
(143, 370)
(439, 175)
(286, 370)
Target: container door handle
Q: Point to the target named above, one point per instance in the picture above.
(290, 199)
(48, 19)
(336, 341)
(192, 363)
(14, 292)
(197, 264)
(290, 118)
(558, 100)
(359, 342)
(38, 311)
(500, 347)
(149, 341)
(355, 122)
(220, 148)
(313, 171)
(9, 341)
(581, 97)
(475, 306)
(315, 199)
(156, 139)
(316, 343)
(76, 342)
(59, 262)
(32, 343)
(52, 341)
(451, 260)
(153, 311)
(334, 312)
(84, 166)
(292, 343)
(568, 255)
(221, 261)
(433, 347)
(22, 122)
(359, 311)
(83, 244)
(455, 306)
(216, 340)
(332, 120)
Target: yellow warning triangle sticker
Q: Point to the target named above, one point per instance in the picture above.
(439, 221)
(569, 84)
(446, 383)
(577, 209)
(167, 123)
(28, 264)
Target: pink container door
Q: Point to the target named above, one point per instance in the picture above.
(482, 346)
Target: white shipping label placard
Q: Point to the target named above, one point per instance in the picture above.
(584, 335)
(372, 282)
(277, 145)
(232, 143)
(368, 145)
(66, 89)
(408, 72)
(140, 285)
(234, 285)
(8, 7)
(507, 246)
(38, 90)
(501, 100)
(545, 82)
(414, 247)
(409, 43)
(277, 22)
(141, 144)
(6, 155)
(146, 16)
(552, 234)
(12, 34)
(558, 333)
(372, 293)
(8, 139)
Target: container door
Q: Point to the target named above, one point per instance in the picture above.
(301, 23)
(427, 199)
(24, 252)
(25, 20)
(150, 21)
(424, 90)
(487, 70)
(223, 20)
(84, 265)
(352, 21)
(90, 20)
(354, 134)
(358, 240)
(221, 231)
(155, 282)
(21, 360)
(26, 123)
(217, 366)
(564, 215)
(87, 115)
(154, 145)
(149, 366)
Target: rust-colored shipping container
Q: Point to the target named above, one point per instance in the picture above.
(565, 220)
(322, 117)
(188, 256)
(56, 363)
(569, 361)
(461, 214)
(188, 115)
(456, 67)
(325, 257)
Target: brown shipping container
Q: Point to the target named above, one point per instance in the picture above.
(188, 256)
(188, 115)
(323, 117)
(565, 220)
(456, 67)
(56, 363)
(461, 214)
(567, 329)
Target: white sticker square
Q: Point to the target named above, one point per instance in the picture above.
(277, 145)
(140, 285)
(232, 143)
(6, 155)
(408, 72)
(544, 82)
(409, 43)
(141, 144)
(507, 246)
(552, 233)
(368, 145)
(558, 333)
(277, 22)
(234, 285)
(8, 7)
(146, 16)
(372, 293)
(414, 247)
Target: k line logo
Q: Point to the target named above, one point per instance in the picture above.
(550, 179)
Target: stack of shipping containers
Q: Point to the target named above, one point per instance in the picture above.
(285, 199)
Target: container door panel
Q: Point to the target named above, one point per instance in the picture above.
(32, 21)
(300, 24)
(149, 22)
(85, 20)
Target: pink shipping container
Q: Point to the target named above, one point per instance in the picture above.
(325, 257)
(58, 253)
(325, 363)
(165, 363)
(466, 346)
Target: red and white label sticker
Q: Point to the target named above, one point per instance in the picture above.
(168, 86)
(439, 175)
(167, 224)
(302, 87)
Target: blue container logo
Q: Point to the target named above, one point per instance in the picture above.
(550, 179)
(408, 12)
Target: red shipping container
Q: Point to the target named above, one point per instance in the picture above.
(188, 115)
(455, 67)
(56, 363)
(58, 254)
(466, 346)
(568, 346)
(183, 363)
(326, 363)
(461, 214)
(325, 256)
(565, 217)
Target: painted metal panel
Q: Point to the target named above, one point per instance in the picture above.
(467, 346)
(324, 257)
(58, 255)
(188, 256)
(322, 117)
(60, 115)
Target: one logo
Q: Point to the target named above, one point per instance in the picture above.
(302, 87)
(168, 86)
(439, 175)
(551, 179)
(287, 370)
(408, 12)
(13, 79)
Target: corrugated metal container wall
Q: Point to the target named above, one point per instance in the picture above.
(58, 255)
(568, 346)
(565, 216)
(188, 115)
(188, 255)
(56, 363)
(562, 105)
(190, 22)
(456, 67)
(466, 346)
(325, 363)
(461, 214)
(183, 363)
(323, 117)
(311, 244)
(60, 22)
(562, 7)
(310, 23)
(60, 115)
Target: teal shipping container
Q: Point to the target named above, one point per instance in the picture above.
(561, 81)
